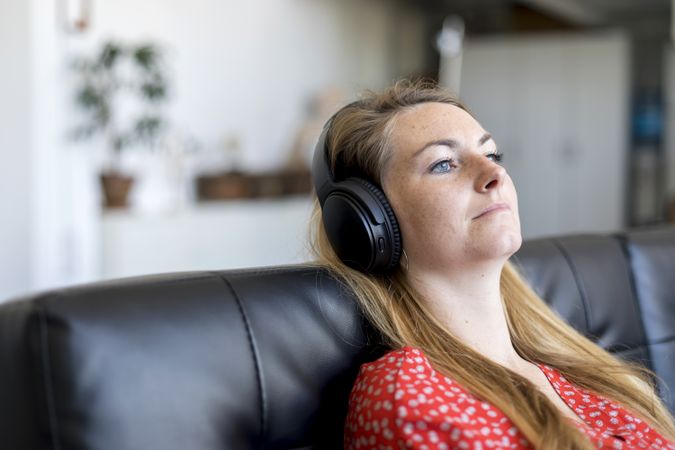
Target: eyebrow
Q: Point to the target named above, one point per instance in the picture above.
(452, 143)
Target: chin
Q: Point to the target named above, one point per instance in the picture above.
(515, 241)
(505, 245)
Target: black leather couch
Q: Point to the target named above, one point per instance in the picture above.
(264, 358)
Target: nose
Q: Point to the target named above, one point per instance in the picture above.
(490, 175)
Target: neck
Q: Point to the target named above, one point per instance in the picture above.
(468, 303)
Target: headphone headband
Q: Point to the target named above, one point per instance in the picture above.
(322, 176)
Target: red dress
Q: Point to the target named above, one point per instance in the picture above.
(401, 402)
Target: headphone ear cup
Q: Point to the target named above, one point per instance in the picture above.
(395, 241)
(362, 227)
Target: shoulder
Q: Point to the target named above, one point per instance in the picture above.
(396, 374)
(398, 364)
(401, 398)
(405, 380)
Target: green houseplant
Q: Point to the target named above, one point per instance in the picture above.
(121, 92)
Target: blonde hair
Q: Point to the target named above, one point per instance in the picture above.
(358, 137)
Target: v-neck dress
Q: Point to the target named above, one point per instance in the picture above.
(400, 402)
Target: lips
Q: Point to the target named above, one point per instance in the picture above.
(492, 208)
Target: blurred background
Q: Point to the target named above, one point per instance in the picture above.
(156, 136)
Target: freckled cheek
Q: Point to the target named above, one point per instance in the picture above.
(426, 218)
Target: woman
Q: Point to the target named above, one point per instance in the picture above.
(416, 214)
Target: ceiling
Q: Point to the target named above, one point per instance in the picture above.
(624, 7)
(600, 10)
(640, 16)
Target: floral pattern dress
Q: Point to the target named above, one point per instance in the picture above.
(401, 402)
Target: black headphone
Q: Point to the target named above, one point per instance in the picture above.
(358, 219)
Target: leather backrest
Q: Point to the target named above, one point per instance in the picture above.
(265, 358)
(618, 290)
(260, 358)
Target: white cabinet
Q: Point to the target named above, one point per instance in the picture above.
(207, 236)
(557, 106)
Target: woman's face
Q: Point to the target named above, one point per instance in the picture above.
(441, 180)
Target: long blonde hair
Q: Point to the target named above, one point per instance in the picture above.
(358, 137)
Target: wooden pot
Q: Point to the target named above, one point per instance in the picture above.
(116, 187)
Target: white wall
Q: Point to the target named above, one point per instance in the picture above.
(15, 148)
(64, 202)
(249, 67)
(244, 68)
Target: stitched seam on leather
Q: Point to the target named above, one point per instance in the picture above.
(45, 360)
(271, 270)
(256, 359)
(648, 345)
(664, 340)
(577, 281)
(623, 245)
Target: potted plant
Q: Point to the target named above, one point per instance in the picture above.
(121, 91)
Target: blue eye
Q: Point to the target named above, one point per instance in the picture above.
(442, 166)
(496, 156)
